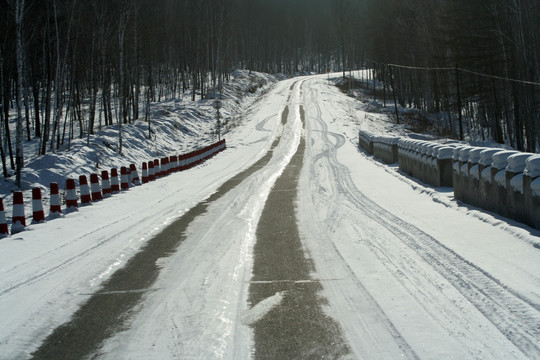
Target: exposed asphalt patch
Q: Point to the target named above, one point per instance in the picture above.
(297, 328)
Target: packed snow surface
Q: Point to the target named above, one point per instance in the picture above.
(407, 271)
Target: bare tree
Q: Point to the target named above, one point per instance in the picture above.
(19, 150)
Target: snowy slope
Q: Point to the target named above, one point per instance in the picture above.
(177, 126)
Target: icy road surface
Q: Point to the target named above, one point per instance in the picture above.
(400, 271)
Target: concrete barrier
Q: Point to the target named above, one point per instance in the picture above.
(487, 186)
(460, 173)
(444, 166)
(55, 208)
(4, 230)
(365, 140)
(18, 220)
(385, 148)
(429, 162)
(502, 181)
(531, 190)
(472, 192)
(514, 186)
(84, 189)
(498, 175)
(38, 213)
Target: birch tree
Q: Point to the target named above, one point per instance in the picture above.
(19, 150)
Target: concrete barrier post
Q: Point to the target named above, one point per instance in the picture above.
(531, 190)
(157, 169)
(460, 183)
(444, 166)
(365, 140)
(115, 183)
(38, 213)
(431, 157)
(135, 180)
(164, 166)
(402, 152)
(95, 188)
(416, 161)
(486, 185)
(151, 171)
(455, 172)
(395, 150)
(86, 198)
(498, 171)
(145, 178)
(18, 220)
(71, 196)
(105, 184)
(55, 208)
(4, 231)
(473, 190)
(424, 167)
(514, 186)
(124, 181)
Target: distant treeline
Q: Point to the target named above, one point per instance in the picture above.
(463, 52)
(73, 66)
(70, 67)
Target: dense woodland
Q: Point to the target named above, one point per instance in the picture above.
(70, 67)
(463, 52)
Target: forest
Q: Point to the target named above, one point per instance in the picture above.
(476, 61)
(71, 67)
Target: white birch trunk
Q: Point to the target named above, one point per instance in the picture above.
(19, 153)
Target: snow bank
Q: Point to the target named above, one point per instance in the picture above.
(532, 168)
(516, 162)
(175, 126)
(500, 159)
(486, 156)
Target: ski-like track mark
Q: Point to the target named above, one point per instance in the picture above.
(202, 301)
(516, 317)
(362, 294)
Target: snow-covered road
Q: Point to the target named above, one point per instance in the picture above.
(413, 276)
(406, 272)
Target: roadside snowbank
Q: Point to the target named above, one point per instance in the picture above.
(176, 126)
